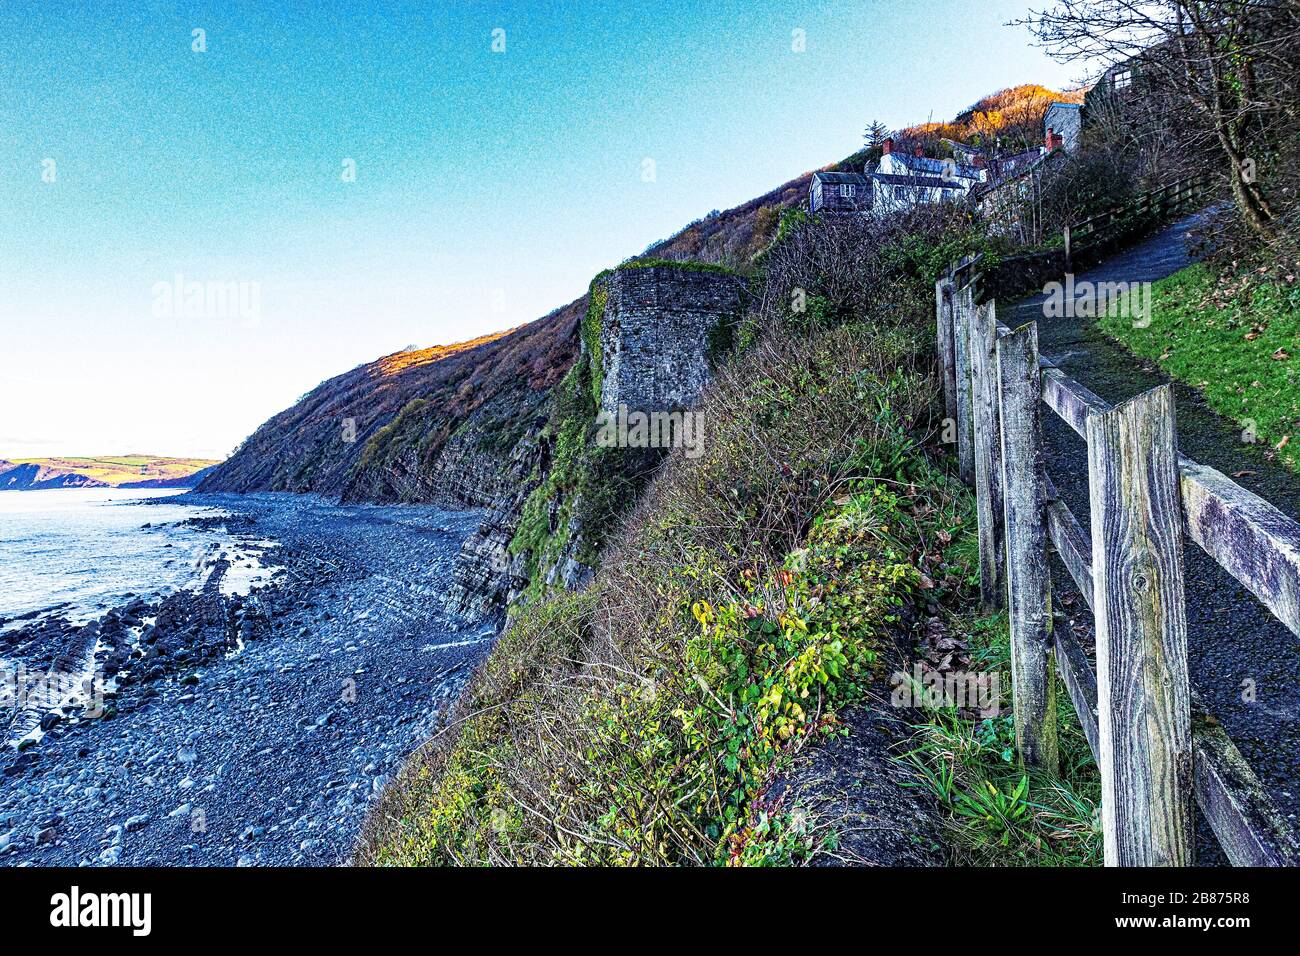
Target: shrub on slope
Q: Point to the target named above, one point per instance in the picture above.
(636, 722)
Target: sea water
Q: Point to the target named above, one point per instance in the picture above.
(84, 550)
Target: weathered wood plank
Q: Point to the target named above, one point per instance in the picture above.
(988, 457)
(943, 292)
(1144, 726)
(1250, 827)
(1070, 543)
(1070, 400)
(1029, 588)
(962, 316)
(1248, 824)
(1080, 682)
(1253, 541)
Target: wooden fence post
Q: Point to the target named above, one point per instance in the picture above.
(983, 333)
(1029, 589)
(1143, 692)
(962, 315)
(943, 308)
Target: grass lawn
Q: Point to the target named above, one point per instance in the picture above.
(1236, 341)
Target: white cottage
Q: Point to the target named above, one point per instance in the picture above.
(900, 181)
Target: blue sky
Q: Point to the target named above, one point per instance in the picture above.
(489, 188)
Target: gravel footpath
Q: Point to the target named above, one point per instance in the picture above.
(1235, 644)
(248, 731)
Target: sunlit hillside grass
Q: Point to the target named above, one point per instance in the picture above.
(119, 469)
(1014, 114)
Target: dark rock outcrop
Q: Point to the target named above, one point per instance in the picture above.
(488, 577)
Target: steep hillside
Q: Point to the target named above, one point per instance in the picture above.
(28, 476)
(379, 431)
(735, 237)
(441, 424)
(1014, 114)
(1011, 118)
(445, 424)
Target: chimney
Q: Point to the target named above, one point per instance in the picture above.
(916, 150)
(887, 145)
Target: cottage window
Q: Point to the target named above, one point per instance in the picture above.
(846, 190)
(900, 192)
(1123, 79)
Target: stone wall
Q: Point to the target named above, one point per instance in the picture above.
(655, 334)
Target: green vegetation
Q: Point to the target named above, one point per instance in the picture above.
(729, 628)
(395, 438)
(592, 321)
(742, 606)
(544, 526)
(999, 813)
(585, 488)
(689, 265)
(1236, 339)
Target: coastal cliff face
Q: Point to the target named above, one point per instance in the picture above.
(504, 422)
(645, 345)
(487, 578)
(432, 425)
(30, 477)
(119, 471)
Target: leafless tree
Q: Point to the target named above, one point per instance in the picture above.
(1226, 74)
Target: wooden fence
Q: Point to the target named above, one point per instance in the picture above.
(1157, 747)
(1154, 205)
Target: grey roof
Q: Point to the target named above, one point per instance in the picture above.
(1013, 170)
(938, 166)
(960, 146)
(837, 178)
(1066, 106)
(930, 182)
(1027, 157)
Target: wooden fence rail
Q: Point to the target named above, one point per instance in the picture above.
(1157, 747)
(1151, 206)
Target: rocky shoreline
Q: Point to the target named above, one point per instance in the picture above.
(241, 730)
